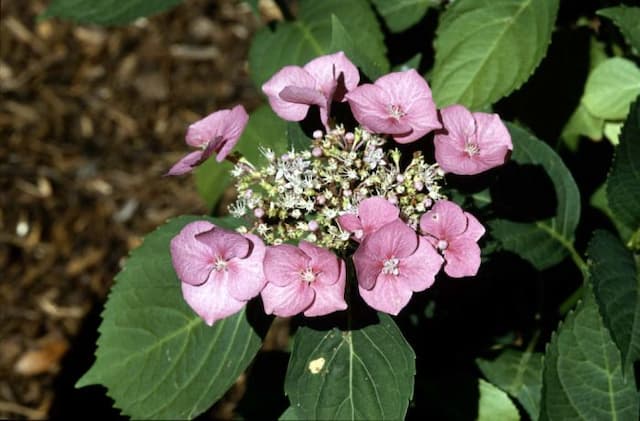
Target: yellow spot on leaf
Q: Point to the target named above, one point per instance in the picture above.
(316, 365)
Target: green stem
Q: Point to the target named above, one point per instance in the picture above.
(571, 301)
(575, 256)
(533, 342)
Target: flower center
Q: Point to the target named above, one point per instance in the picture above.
(442, 245)
(390, 266)
(471, 148)
(307, 275)
(396, 112)
(220, 264)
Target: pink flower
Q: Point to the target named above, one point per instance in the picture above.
(293, 89)
(398, 104)
(306, 279)
(474, 142)
(373, 214)
(455, 234)
(220, 269)
(218, 132)
(393, 263)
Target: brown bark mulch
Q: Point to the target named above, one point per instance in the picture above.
(90, 119)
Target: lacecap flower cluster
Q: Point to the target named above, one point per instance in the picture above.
(350, 195)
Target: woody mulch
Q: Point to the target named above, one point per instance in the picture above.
(90, 119)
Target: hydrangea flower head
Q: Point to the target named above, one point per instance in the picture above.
(218, 132)
(455, 233)
(393, 263)
(473, 142)
(293, 89)
(373, 213)
(220, 269)
(306, 278)
(399, 104)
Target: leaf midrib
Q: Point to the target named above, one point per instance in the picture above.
(491, 50)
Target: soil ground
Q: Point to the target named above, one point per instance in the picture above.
(90, 119)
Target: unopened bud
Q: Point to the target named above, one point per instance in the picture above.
(313, 226)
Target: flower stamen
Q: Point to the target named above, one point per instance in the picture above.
(220, 264)
(396, 112)
(307, 275)
(390, 267)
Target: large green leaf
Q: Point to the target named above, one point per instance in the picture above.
(519, 374)
(363, 373)
(543, 243)
(582, 377)
(265, 129)
(310, 36)
(627, 19)
(341, 40)
(623, 184)
(611, 87)
(616, 285)
(106, 12)
(599, 201)
(494, 404)
(156, 357)
(486, 49)
(402, 14)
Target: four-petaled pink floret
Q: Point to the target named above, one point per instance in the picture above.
(218, 132)
(372, 214)
(472, 143)
(399, 104)
(455, 233)
(320, 82)
(393, 263)
(220, 270)
(306, 278)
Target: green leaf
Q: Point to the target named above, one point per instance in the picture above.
(582, 377)
(212, 180)
(289, 414)
(310, 36)
(494, 404)
(342, 41)
(487, 49)
(266, 129)
(543, 243)
(412, 63)
(364, 373)
(582, 123)
(156, 357)
(626, 18)
(616, 285)
(296, 138)
(402, 14)
(623, 183)
(612, 132)
(599, 201)
(611, 87)
(106, 12)
(519, 374)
